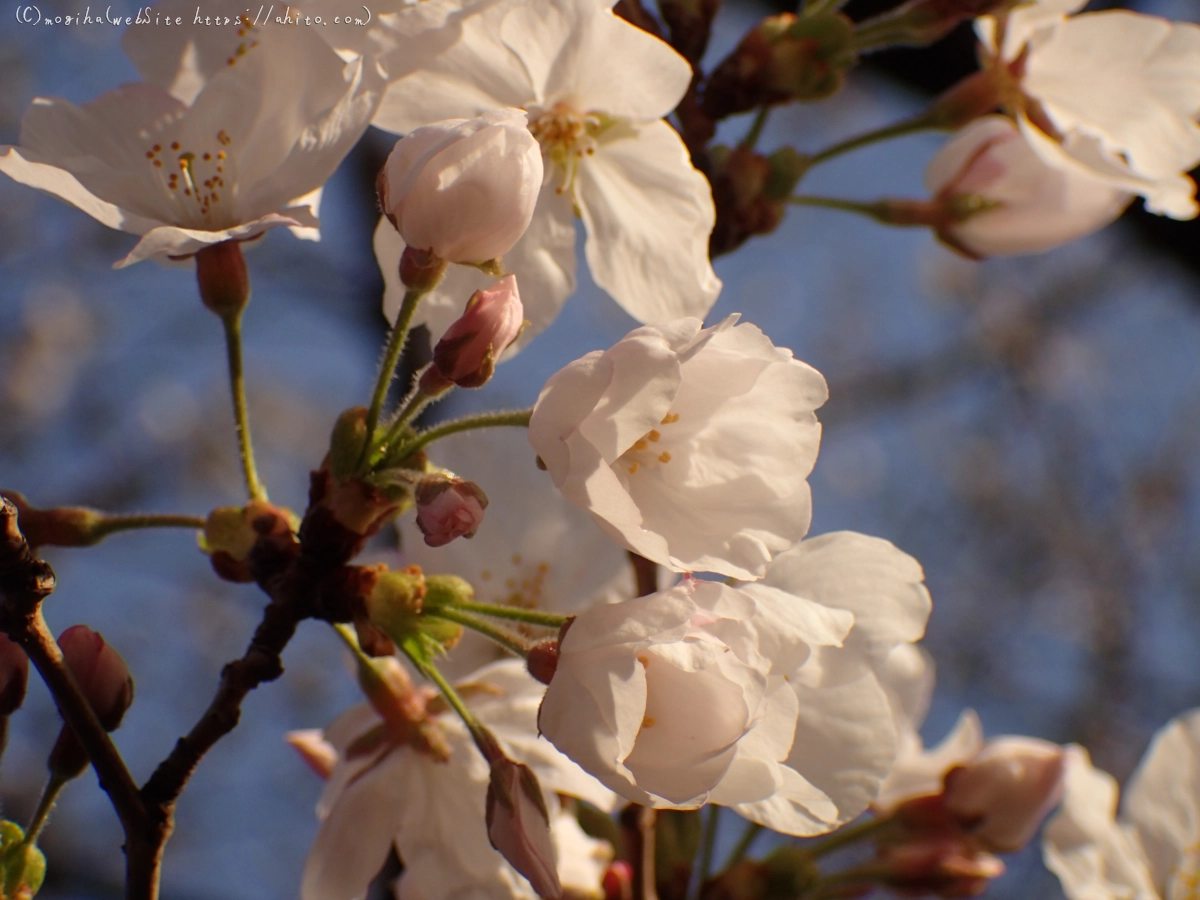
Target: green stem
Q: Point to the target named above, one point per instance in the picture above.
(756, 128)
(922, 122)
(506, 639)
(850, 834)
(483, 738)
(708, 843)
(413, 404)
(520, 418)
(532, 616)
(350, 639)
(112, 524)
(813, 7)
(753, 830)
(241, 415)
(387, 369)
(49, 797)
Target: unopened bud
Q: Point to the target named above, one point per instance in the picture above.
(316, 752)
(463, 189)
(104, 679)
(223, 279)
(231, 534)
(396, 602)
(996, 196)
(63, 526)
(467, 353)
(14, 676)
(945, 865)
(346, 443)
(1002, 794)
(448, 508)
(542, 661)
(617, 881)
(784, 58)
(22, 865)
(518, 825)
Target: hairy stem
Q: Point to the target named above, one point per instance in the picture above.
(518, 419)
(532, 616)
(241, 413)
(387, 368)
(920, 122)
(506, 639)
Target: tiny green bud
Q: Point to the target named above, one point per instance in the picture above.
(346, 444)
(396, 602)
(447, 590)
(22, 866)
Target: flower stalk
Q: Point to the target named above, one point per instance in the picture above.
(232, 322)
(517, 419)
(387, 369)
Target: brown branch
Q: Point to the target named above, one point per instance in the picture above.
(25, 581)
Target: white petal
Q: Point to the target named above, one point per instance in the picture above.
(477, 74)
(22, 166)
(872, 578)
(649, 215)
(1130, 79)
(845, 740)
(1092, 856)
(583, 55)
(353, 840)
(1162, 798)
(167, 241)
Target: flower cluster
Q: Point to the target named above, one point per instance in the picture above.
(644, 547)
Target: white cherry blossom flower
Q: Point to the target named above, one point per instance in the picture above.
(1114, 94)
(1032, 206)
(391, 787)
(463, 188)
(689, 447)
(595, 89)
(537, 552)
(854, 701)
(1152, 850)
(680, 697)
(234, 132)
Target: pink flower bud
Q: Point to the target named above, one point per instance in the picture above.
(448, 508)
(467, 352)
(1002, 795)
(945, 865)
(105, 681)
(101, 673)
(519, 825)
(1000, 197)
(14, 676)
(618, 881)
(464, 189)
(318, 754)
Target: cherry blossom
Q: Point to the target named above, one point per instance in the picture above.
(595, 89)
(234, 132)
(688, 446)
(1027, 206)
(854, 701)
(680, 697)
(420, 784)
(463, 188)
(1152, 850)
(1114, 94)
